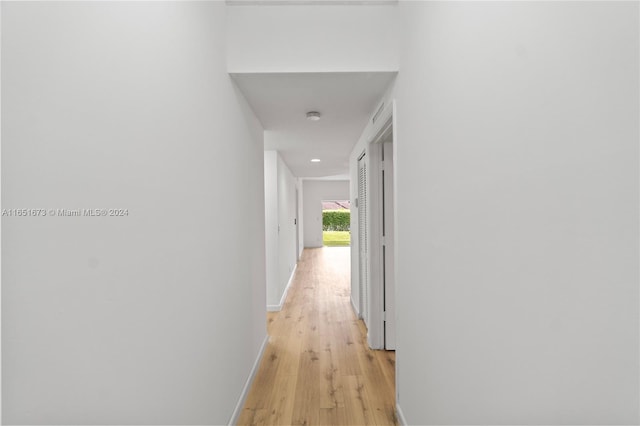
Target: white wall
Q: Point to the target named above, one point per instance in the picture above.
(272, 248)
(318, 38)
(315, 191)
(280, 202)
(152, 318)
(287, 227)
(517, 186)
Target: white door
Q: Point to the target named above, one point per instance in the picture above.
(388, 261)
(295, 222)
(363, 225)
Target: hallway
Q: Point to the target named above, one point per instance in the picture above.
(317, 368)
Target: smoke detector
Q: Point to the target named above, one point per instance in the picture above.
(313, 115)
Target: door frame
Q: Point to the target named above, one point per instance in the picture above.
(389, 246)
(296, 222)
(375, 279)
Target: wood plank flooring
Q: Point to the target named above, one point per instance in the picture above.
(317, 368)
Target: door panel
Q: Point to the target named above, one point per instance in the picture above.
(388, 248)
(362, 239)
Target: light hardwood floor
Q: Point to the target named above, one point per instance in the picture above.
(317, 368)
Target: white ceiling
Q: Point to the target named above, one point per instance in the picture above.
(346, 101)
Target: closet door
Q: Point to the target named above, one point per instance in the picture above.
(363, 225)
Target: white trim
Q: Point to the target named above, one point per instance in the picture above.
(276, 308)
(0, 249)
(311, 2)
(375, 325)
(247, 386)
(400, 415)
(353, 305)
(384, 120)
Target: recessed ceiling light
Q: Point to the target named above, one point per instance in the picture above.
(315, 160)
(313, 115)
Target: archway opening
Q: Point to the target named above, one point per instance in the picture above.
(336, 220)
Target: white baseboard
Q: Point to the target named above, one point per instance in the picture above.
(247, 386)
(401, 420)
(353, 305)
(276, 308)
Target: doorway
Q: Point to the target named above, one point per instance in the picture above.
(377, 238)
(336, 223)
